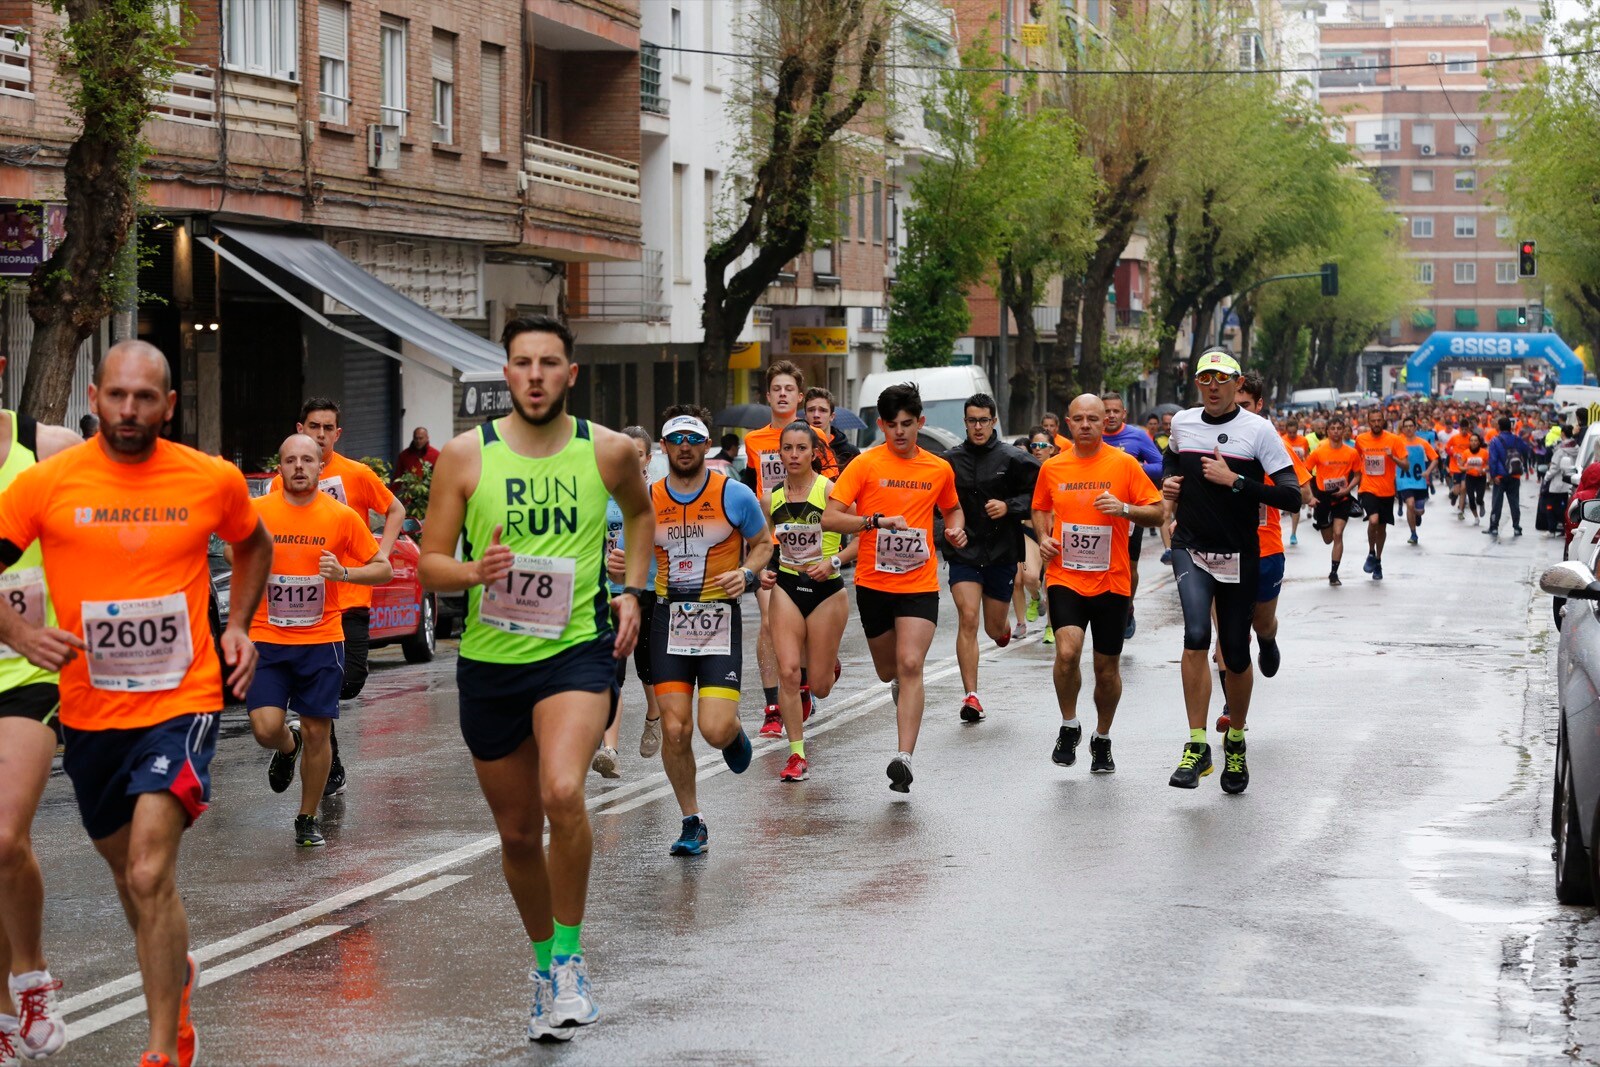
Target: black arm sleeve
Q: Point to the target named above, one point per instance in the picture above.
(9, 554)
(1169, 464)
(1283, 493)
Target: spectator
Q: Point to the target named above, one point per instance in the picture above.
(88, 426)
(415, 455)
(1510, 458)
(1558, 484)
(729, 452)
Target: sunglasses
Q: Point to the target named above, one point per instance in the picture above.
(1038, 445)
(1213, 377)
(682, 438)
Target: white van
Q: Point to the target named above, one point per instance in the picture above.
(1322, 398)
(1473, 391)
(944, 395)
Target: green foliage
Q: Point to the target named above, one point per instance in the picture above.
(1128, 359)
(380, 467)
(413, 489)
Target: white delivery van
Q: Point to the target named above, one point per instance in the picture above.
(1316, 398)
(1472, 390)
(1577, 395)
(944, 397)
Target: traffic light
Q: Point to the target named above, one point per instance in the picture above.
(1527, 260)
(1330, 279)
(1522, 316)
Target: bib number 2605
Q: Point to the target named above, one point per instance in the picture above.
(138, 646)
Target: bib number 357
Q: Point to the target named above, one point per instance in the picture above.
(138, 646)
(534, 599)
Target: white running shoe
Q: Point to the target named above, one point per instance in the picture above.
(41, 1031)
(573, 1005)
(894, 692)
(650, 740)
(9, 1056)
(605, 762)
(539, 1027)
(1019, 631)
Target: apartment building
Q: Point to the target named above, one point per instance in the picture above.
(350, 197)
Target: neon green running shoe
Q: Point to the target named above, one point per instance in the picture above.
(1049, 636)
(1033, 609)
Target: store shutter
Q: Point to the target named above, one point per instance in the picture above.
(369, 408)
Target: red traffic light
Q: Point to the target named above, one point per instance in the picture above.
(1527, 248)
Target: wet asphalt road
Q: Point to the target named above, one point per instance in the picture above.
(1383, 891)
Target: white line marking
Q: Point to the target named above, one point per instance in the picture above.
(430, 887)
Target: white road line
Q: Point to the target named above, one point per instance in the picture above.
(625, 798)
(430, 887)
(129, 1008)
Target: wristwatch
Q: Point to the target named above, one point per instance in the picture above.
(632, 590)
(837, 563)
(1125, 509)
(1237, 482)
(749, 578)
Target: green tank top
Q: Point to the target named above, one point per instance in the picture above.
(798, 525)
(552, 514)
(22, 586)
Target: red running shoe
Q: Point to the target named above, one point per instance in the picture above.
(772, 725)
(795, 769)
(155, 1059)
(838, 669)
(971, 710)
(187, 1042)
(805, 703)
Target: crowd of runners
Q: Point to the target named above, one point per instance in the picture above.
(573, 564)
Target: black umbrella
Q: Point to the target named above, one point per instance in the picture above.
(748, 416)
(1162, 409)
(847, 420)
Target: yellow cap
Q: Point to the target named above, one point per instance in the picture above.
(1218, 359)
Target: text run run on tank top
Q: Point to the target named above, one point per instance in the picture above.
(552, 514)
(22, 587)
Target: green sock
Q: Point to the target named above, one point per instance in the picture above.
(542, 952)
(1197, 737)
(1235, 735)
(567, 940)
(798, 748)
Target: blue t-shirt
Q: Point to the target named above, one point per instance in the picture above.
(1410, 476)
(1136, 443)
(614, 539)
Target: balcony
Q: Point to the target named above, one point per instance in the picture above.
(581, 205)
(191, 96)
(651, 98)
(1130, 318)
(623, 292)
(16, 62)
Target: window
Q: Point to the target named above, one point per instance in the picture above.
(1505, 272)
(1425, 273)
(1465, 135)
(444, 87)
(1502, 226)
(861, 209)
(711, 206)
(844, 210)
(1422, 226)
(1466, 181)
(1460, 62)
(259, 37)
(1378, 135)
(1466, 273)
(677, 43)
(1422, 134)
(877, 213)
(392, 71)
(333, 53)
(1466, 225)
(680, 270)
(538, 109)
(1422, 181)
(491, 83)
(708, 42)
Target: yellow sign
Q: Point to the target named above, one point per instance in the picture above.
(745, 356)
(1033, 34)
(819, 340)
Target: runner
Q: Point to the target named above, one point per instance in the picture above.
(1052, 426)
(837, 451)
(355, 485)
(1137, 444)
(537, 671)
(785, 386)
(1082, 503)
(605, 761)
(1041, 445)
(894, 489)
(994, 483)
(1336, 468)
(810, 607)
(139, 710)
(1382, 455)
(1415, 474)
(316, 543)
(1474, 476)
(1299, 447)
(30, 701)
(1217, 463)
(1454, 448)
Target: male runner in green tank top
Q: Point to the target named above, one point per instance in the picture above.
(30, 1022)
(537, 668)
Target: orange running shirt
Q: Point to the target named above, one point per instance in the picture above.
(1298, 446)
(764, 442)
(878, 481)
(1474, 464)
(1334, 465)
(1094, 547)
(1454, 448)
(125, 555)
(1269, 527)
(1382, 455)
(827, 458)
(353, 484)
(298, 607)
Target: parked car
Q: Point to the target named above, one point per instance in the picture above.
(1575, 806)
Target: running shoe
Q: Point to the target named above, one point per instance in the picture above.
(1127, 631)
(1033, 610)
(1066, 750)
(572, 1006)
(308, 832)
(1413, 538)
(1100, 761)
(694, 839)
(1377, 571)
(1372, 561)
(1294, 539)
(1004, 639)
(811, 706)
(1269, 659)
(1224, 721)
(1166, 556)
(1333, 578)
(539, 1025)
(900, 773)
(1019, 631)
(188, 1042)
(1195, 765)
(1235, 772)
(972, 709)
(805, 703)
(1049, 636)
(737, 754)
(650, 740)
(280, 771)
(795, 769)
(1491, 532)
(1516, 531)
(605, 763)
(772, 725)
(9, 1054)
(336, 778)
(894, 692)
(155, 1059)
(40, 1029)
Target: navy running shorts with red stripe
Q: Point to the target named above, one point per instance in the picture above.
(111, 769)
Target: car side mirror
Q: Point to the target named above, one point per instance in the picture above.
(411, 528)
(1571, 580)
(1590, 510)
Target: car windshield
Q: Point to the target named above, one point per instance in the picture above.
(946, 414)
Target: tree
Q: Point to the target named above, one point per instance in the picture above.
(820, 63)
(113, 55)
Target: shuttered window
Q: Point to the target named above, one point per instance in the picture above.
(444, 87)
(491, 77)
(392, 71)
(333, 51)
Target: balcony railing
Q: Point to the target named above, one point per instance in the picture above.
(191, 96)
(552, 163)
(651, 98)
(16, 62)
(1130, 318)
(625, 292)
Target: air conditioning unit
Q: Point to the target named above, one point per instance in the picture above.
(1464, 149)
(1425, 149)
(1435, 57)
(383, 147)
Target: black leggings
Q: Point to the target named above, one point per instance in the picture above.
(1235, 603)
(1475, 488)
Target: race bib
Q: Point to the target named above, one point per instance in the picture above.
(1262, 521)
(799, 543)
(1333, 485)
(23, 591)
(1223, 566)
(334, 487)
(1084, 548)
(772, 471)
(700, 629)
(534, 599)
(900, 551)
(295, 599)
(1375, 465)
(137, 646)
(1474, 463)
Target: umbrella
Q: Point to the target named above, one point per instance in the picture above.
(847, 420)
(1162, 409)
(748, 416)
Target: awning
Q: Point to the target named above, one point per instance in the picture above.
(1422, 319)
(1467, 318)
(320, 266)
(1504, 317)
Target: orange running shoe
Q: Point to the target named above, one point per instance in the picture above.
(188, 1043)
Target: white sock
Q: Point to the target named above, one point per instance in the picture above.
(1101, 736)
(972, 693)
(1070, 722)
(696, 815)
(905, 756)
